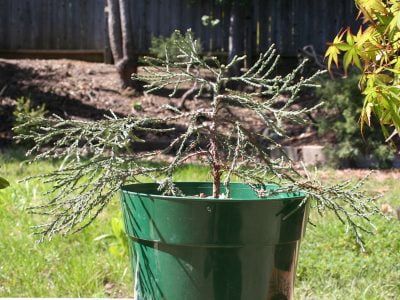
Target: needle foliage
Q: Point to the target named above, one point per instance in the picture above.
(100, 157)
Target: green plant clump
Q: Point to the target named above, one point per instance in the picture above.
(160, 44)
(342, 110)
(24, 109)
(119, 245)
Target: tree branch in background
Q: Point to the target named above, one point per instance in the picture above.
(121, 40)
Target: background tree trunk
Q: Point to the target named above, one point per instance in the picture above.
(121, 41)
(114, 29)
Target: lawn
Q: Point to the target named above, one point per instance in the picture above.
(331, 266)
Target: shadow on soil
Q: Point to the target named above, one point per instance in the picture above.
(16, 82)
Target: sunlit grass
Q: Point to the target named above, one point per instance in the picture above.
(72, 266)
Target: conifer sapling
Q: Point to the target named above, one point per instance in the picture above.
(100, 157)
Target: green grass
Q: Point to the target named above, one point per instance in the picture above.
(72, 266)
(331, 266)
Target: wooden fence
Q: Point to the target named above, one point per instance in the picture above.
(79, 25)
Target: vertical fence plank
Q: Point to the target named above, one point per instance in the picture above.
(255, 25)
(186, 18)
(198, 27)
(3, 24)
(44, 31)
(63, 24)
(74, 33)
(85, 28)
(99, 23)
(158, 18)
(277, 23)
(146, 34)
(313, 28)
(135, 13)
(263, 24)
(164, 24)
(207, 31)
(5, 30)
(318, 31)
(213, 31)
(325, 23)
(152, 19)
(67, 28)
(31, 28)
(300, 26)
(15, 30)
(172, 16)
(223, 29)
(52, 30)
(286, 28)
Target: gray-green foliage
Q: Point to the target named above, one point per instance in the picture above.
(342, 110)
(100, 156)
(159, 44)
(23, 108)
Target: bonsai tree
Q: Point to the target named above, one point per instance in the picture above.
(374, 51)
(99, 157)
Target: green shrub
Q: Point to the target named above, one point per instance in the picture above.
(24, 110)
(342, 109)
(159, 44)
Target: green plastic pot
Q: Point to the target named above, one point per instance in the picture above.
(194, 248)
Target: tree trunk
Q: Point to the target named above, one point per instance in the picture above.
(128, 64)
(114, 29)
(108, 57)
(121, 41)
(236, 38)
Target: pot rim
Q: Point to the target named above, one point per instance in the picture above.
(279, 197)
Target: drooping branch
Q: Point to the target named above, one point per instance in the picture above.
(236, 28)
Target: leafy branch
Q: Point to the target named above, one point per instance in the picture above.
(374, 50)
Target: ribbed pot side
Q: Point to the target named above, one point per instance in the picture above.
(201, 248)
